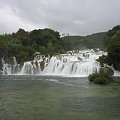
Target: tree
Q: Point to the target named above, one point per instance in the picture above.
(114, 47)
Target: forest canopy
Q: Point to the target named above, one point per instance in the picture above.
(113, 45)
(23, 44)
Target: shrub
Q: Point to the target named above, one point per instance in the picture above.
(91, 77)
(102, 60)
(101, 77)
(99, 80)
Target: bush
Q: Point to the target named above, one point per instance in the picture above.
(101, 77)
(99, 80)
(102, 60)
(91, 77)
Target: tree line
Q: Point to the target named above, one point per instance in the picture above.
(24, 44)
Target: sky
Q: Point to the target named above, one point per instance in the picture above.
(76, 17)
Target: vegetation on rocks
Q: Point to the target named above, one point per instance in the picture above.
(114, 47)
(104, 76)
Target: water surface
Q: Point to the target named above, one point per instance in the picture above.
(57, 98)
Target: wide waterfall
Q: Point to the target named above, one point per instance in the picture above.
(80, 63)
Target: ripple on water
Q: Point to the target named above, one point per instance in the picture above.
(56, 98)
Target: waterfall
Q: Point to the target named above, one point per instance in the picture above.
(6, 68)
(79, 64)
(15, 61)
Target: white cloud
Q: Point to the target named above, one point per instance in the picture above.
(70, 16)
(79, 22)
(12, 22)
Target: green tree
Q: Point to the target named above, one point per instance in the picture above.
(114, 47)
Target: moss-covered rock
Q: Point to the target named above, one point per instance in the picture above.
(106, 70)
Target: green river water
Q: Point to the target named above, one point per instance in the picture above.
(57, 98)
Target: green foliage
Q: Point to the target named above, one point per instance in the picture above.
(80, 42)
(4, 41)
(22, 56)
(91, 77)
(101, 77)
(96, 40)
(102, 80)
(102, 60)
(114, 47)
(23, 44)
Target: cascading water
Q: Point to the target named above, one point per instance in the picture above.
(79, 64)
(36, 66)
(6, 69)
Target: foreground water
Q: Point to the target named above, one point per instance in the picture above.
(57, 98)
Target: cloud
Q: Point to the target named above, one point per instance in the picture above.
(11, 22)
(67, 16)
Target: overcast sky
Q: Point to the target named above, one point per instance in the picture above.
(66, 16)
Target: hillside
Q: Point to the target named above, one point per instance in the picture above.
(96, 40)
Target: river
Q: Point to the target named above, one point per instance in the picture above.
(57, 98)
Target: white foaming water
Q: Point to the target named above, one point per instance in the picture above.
(6, 68)
(72, 64)
(81, 64)
(116, 72)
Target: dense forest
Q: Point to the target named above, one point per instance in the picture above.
(113, 47)
(24, 44)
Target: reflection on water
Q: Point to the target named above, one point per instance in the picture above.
(57, 98)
